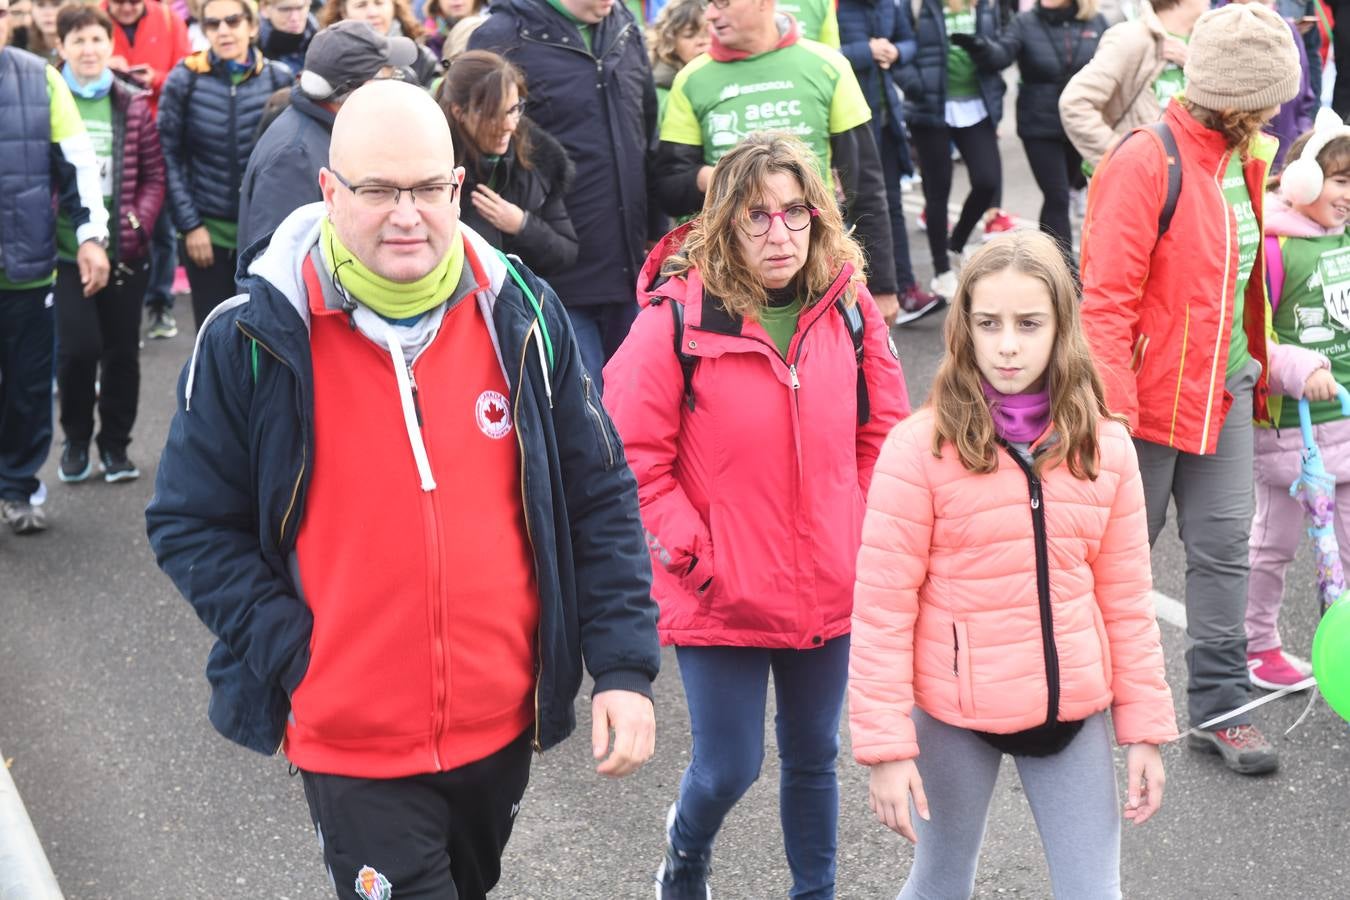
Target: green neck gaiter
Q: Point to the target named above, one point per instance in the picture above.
(393, 299)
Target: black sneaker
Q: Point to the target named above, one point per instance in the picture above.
(116, 467)
(1242, 747)
(23, 517)
(682, 876)
(75, 462)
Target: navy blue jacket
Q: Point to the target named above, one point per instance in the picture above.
(207, 126)
(232, 482)
(859, 21)
(924, 79)
(600, 104)
(283, 170)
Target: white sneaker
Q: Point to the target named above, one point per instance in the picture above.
(944, 285)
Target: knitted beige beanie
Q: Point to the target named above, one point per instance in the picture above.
(1241, 56)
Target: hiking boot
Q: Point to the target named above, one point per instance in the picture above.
(162, 325)
(116, 467)
(1272, 670)
(682, 876)
(1242, 747)
(1001, 223)
(23, 517)
(916, 303)
(75, 462)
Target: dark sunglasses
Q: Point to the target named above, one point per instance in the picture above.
(231, 21)
(125, 2)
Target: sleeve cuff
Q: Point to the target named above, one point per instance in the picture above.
(633, 680)
(90, 231)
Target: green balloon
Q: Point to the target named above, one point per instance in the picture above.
(1331, 657)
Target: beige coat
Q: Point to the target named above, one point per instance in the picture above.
(1113, 93)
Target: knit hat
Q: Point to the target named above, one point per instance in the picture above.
(1241, 56)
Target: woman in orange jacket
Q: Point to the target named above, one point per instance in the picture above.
(1002, 601)
(1176, 318)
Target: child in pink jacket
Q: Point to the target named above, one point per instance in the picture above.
(1308, 269)
(1002, 601)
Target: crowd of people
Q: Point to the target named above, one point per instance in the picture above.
(604, 293)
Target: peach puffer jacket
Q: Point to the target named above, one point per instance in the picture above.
(949, 610)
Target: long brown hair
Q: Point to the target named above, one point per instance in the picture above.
(335, 11)
(737, 185)
(476, 84)
(1077, 399)
(1239, 127)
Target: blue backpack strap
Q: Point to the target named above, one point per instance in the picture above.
(853, 321)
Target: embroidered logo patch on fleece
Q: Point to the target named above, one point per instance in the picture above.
(493, 413)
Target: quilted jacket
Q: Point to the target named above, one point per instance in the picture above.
(951, 613)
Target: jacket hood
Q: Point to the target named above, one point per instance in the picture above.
(1282, 220)
(203, 61)
(663, 73)
(650, 278)
(788, 34)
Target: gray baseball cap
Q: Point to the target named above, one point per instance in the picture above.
(347, 54)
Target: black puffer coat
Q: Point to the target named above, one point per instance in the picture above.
(547, 242)
(1049, 47)
(207, 126)
(600, 104)
(924, 78)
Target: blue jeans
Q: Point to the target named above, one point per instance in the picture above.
(599, 331)
(727, 688)
(27, 343)
(163, 262)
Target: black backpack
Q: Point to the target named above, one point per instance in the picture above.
(716, 318)
(1173, 157)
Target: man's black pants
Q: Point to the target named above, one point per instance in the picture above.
(438, 836)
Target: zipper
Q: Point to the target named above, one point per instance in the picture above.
(956, 652)
(417, 405)
(431, 522)
(236, 182)
(1042, 583)
(599, 421)
(529, 535)
(304, 452)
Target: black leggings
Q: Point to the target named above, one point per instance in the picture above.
(979, 148)
(1057, 168)
(210, 285)
(100, 333)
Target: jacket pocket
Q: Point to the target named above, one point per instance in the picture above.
(1138, 353)
(606, 439)
(965, 685)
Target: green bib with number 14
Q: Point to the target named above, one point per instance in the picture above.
(1314, 311)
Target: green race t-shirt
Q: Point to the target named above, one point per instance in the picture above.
(223, 232)
(781, 323)
(1314, 312)
(97, 116)
(1249, 239)
(1171, 79)
(962, 80)
(815, 18)
(805, 89)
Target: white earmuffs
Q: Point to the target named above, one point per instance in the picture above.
(1301, 180)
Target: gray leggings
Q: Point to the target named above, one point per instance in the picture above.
(1072, 795)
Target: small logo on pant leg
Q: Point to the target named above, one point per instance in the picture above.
(371, 885)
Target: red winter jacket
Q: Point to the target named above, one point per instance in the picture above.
(161, 43)
(1159, 313)
(761, 487)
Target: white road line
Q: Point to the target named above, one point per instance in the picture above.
(1173, 612)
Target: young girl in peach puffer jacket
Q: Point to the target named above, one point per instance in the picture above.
(1002, 601)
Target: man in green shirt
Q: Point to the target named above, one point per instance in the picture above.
(46, 151)
(760, 75)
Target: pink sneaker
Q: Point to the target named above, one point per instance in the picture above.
(1272, 670)
(180, 281)
(1001, 223)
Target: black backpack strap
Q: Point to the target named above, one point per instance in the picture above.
(1173, 157)
(853, 321)
(687, 363)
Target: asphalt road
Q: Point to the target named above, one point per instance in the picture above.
(102, 716)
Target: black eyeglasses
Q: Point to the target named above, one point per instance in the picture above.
(433, 195)
(231, 22)
(516, 111)
(795, 217)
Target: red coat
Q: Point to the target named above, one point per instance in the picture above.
(161, 43)
(762, 482)
(1159, 313)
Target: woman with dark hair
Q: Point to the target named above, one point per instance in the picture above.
(390, 18)
(515, 174)
(208, 121)
(1176, 315)
(752, 395)
(99, 336)
(441, 18)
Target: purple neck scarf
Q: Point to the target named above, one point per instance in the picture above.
(1018, 418)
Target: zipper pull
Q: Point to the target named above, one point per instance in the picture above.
(956, 652)
(1035, 493)
(792, 373)
(417, 405)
